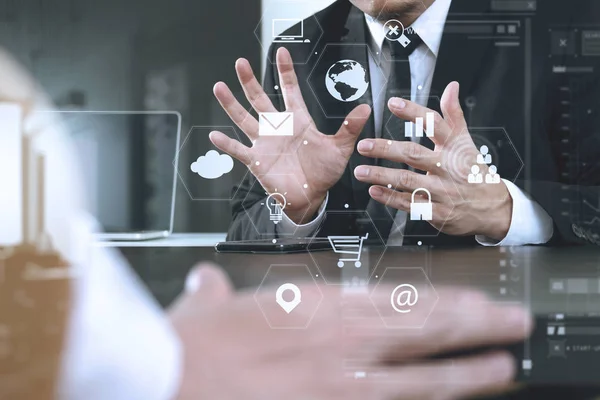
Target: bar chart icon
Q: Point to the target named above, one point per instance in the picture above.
(417, 128)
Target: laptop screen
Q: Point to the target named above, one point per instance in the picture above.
(128, 166)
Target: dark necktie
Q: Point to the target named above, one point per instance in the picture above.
(399, 85)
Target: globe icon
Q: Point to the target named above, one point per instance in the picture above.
(347, 80)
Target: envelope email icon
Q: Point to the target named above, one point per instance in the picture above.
(276, 124)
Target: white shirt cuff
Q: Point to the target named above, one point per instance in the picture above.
(289, 227)
(530, 223)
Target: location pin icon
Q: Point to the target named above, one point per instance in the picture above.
(288, 306)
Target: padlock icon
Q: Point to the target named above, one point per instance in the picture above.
(421, 211)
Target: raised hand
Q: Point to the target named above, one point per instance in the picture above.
(316, 160)
(488, 210)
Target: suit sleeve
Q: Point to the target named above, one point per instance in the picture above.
(250, 219)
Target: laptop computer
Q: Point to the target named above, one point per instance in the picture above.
(128, 162)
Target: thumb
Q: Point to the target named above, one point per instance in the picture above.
(450, 105)
(353, 126)
(208, 282)
(205, 286)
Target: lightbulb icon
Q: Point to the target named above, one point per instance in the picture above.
(276, 203)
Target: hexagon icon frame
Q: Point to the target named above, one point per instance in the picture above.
(369, 101)
(176, 162)
(256, 182)
(395, 187)
(373, 266)
(303, 21)
(420, 56)
(472, 132)
(433, 306)
(258, 290)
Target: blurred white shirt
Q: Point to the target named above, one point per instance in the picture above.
(120, 345)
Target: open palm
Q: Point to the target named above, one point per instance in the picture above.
(304, 165)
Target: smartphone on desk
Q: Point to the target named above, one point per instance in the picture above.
(274, 246)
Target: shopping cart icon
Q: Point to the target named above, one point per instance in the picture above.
(349, 245)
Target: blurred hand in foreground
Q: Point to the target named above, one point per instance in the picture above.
(231, 352)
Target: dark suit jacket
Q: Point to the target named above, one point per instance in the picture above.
(512, 88)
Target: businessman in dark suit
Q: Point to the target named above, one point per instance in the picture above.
(356, 159)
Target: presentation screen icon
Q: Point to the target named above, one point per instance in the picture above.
(417, 128)
(276, 124)
(288, 30)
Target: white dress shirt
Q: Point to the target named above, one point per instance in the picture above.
(530, 223)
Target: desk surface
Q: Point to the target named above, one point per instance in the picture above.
(549, 281)
(552, 279)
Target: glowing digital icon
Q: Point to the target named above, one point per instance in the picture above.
(416, 129)
(288, 306)
(350, 246)
(404, 297)
(276, 203)
(212, 165)
(421, 211)
(492, 177)
(347, 80)
(276, 124)
(475, 176)
(484, 156)
(293, 34)
(394, 32)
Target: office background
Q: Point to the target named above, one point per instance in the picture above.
(124, 55)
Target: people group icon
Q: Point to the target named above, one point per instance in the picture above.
(484, 158)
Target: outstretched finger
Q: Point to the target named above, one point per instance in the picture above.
(451, 108)
(451, 379)
(252, 88)
(238, 114)
(231, 146)
(288, 80)
(353, 126)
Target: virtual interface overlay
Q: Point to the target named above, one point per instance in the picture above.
(413, 282)
(575, 55)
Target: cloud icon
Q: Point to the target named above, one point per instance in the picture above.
(213, 165)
